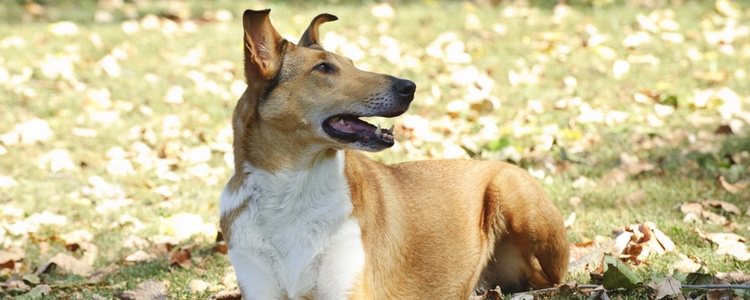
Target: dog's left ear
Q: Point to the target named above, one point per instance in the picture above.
(310, 37)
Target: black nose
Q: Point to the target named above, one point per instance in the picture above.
(405, 89)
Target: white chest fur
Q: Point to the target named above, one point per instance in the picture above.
(296, 238)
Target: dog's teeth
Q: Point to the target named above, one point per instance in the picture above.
(378, 131)
(393, 126)
(341, 121)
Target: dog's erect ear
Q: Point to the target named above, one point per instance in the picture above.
(310, 37)
(263, 46)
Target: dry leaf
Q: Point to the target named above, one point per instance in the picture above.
(221, 247)
(197, 286)
(686, 264)
(7, 182)
(637, 241)
(667, 287)
(101, 274)
(732, 188)
(183, 226)
(228, 295)
(570, 220)
(9, 257)
(726, 206)
(180, 257)
(729, 244)
(147, 290)
(67, 264)
(140, 256)
(733, 277)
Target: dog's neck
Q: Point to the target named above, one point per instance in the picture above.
(264, 149)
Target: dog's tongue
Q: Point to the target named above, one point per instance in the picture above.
(350, 125)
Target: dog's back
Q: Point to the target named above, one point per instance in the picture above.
(488, 223)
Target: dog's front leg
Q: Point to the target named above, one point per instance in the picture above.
(254, 276)
(342, 264)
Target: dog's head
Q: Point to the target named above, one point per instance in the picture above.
(312, 96)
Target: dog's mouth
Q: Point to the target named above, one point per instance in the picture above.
(349, 129)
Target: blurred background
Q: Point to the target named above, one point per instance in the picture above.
(115, 139)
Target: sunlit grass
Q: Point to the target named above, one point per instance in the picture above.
(497, 44)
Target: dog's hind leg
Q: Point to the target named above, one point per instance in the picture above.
(530, 249)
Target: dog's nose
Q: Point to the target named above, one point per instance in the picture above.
(405, 89)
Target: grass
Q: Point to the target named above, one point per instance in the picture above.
(500, 42)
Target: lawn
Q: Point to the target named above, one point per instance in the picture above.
(115, 139)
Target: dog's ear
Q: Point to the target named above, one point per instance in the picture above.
(310, 37)
(263, 46)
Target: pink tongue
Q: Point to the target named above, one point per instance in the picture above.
(349, 126)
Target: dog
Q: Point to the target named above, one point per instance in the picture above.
(307, 216)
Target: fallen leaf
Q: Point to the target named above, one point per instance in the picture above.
(729, 244)
(197, 286)
(727, 8)
(732, 188)
(101, 274)
(7, 182)
(726, 206)
(599, 293)
(667, 287)
(147, 290)
(617, 274)
(32, 279)
(183, 226)
(180, 257)
(228, 295)
(733, 277)
(721, 295)
(9, 256)
(686, 264)
(38, 292)
(221, 247)
(67, 264)
(140, 256)
(570, 220)
(636, 242)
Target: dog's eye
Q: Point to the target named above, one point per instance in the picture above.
(324, 68)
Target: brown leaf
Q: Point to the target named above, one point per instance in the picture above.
(667, 287)
(599, 293)
(197, 286)
(728, 243)
(587, 255)
(721, 295)
(9, 257)
(614, 177)
(67, 264)
(732, 188)
(733, 277)
(228, 295)
(101, 274)
(637, 241)
(221, 247)
(723, 129)
(140, 256)
(686, 264)
(180, 257)
(147, 290)
(726, 206)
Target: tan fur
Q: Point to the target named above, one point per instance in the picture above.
(435, 229)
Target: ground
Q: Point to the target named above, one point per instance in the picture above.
(115, 139)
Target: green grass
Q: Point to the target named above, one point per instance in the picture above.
(681, 174)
